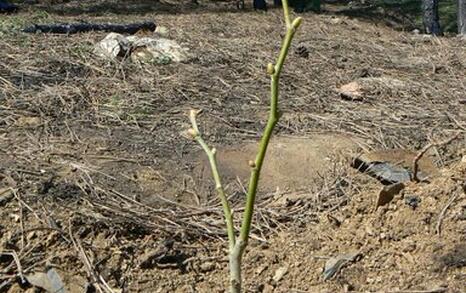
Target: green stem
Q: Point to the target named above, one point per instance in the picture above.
(211, 154)
(272, 121)
(237, 253)
(237, 247)
(286, 12)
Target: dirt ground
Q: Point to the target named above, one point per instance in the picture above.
(99, 182)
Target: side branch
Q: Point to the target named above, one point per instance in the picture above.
(211, 154)
(424, 150)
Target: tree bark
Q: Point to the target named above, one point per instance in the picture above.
(462, 17)
(431, 17)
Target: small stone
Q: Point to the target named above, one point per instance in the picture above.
(28, 121)
(387, 193)
(31, 235)
(6, 195)
(369, 231)
(392, 207)
(462, 214)
(261, 269)
(302, 51)
(351, 91)
(161, 30)
(336, 20)
(268, 288)
(15, 217)
(207, 266)
(410, 247)
(280, 273)
(412, 201)
(259, 288)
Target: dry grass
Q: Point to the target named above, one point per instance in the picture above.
(76, 130)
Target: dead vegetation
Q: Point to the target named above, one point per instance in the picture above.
(97, 180)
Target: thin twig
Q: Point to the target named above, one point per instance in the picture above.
(90, 270)
(425, 149)
(211, 154)
(21, 223)
(17, 196)
(444, 210)
(18, 263)
(435, 290)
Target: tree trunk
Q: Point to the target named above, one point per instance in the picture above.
(462, 17)
(431, 17)
(259, 5)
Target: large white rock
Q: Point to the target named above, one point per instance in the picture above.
(112, 46)
(143, 49)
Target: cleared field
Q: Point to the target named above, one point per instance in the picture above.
(95, 167)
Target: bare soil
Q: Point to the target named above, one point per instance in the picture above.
(287, 166)
(98, 180)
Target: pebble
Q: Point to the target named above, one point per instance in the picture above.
(207, 266)
(279, 273)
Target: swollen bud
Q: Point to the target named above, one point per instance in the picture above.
(252, 164)
(297, 22)
(193, 133)
(270, 69)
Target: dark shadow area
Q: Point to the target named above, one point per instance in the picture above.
(6, 7)
(141, 7)
(402, 15)
(137, 7)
